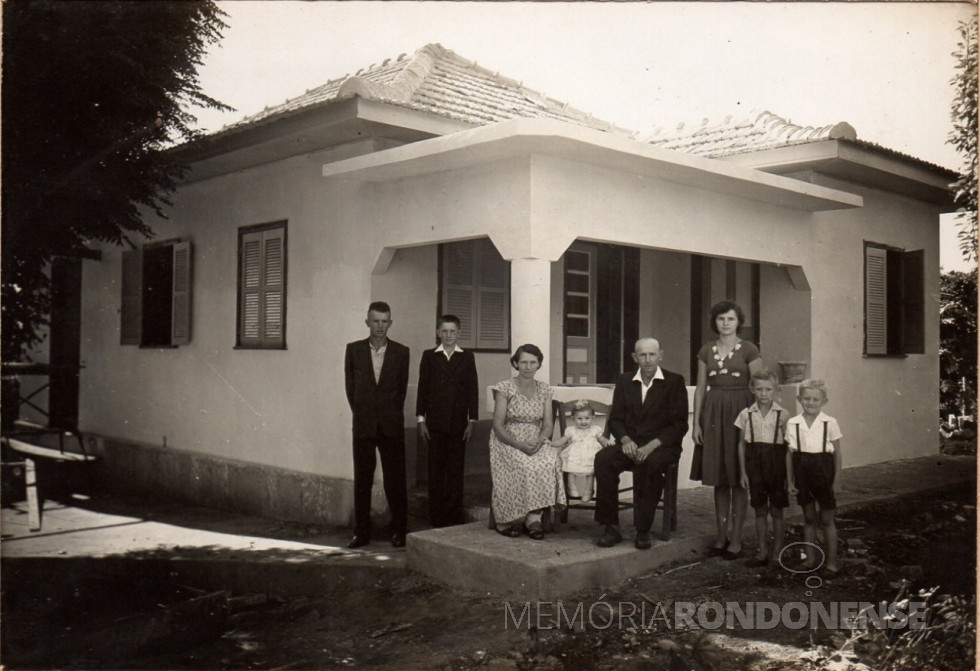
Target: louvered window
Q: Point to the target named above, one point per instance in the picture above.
(894, 301)
(156, 295)
(475, 286)
(262, 286)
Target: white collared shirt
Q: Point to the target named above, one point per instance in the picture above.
(812, 437)
(449, 355)
(644, 388)
(763, 428)
(378, 358)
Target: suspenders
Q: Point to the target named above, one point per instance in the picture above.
(799, 449)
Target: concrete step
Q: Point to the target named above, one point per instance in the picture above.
(566, 562)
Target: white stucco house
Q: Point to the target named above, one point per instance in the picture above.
(213, 354)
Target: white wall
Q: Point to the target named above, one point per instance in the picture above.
(287, 408)
(888, 408)
(784, 313)
(279, 407)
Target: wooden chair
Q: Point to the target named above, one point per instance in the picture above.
(668, 502)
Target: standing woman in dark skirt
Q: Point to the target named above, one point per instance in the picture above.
(725, 367)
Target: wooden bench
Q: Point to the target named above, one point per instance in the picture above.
(27, 454)
(23, 440)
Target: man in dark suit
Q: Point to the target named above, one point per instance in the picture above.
(649, 421)
(446, 409)
(376, 377)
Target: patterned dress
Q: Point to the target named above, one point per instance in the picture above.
(716, 463)
(524, 482)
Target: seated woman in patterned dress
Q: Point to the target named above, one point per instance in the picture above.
(525, 467)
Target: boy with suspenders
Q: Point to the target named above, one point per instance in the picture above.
(762, 462)
(813, 471)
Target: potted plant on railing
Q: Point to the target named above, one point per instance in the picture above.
(793, 372)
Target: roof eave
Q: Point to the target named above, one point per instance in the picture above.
(854, 162)
(528, 137)
(316, 128)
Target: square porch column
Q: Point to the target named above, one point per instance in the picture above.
(530, 307)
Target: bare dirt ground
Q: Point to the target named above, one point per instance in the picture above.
(410, 623)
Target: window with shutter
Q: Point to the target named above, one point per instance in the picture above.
(475, 286)
(262, 286)
(156, 295)
(894, 301)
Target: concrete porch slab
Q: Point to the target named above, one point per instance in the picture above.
(568, 561)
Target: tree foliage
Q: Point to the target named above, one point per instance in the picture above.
(958, 342)
(964, 135)
(93, 94)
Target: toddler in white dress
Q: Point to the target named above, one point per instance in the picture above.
(582, 440)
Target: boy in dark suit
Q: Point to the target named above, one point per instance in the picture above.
(649, 421)
(446, 410)
(376, 377)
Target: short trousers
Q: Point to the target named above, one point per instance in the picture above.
(765, 465)
(814, 475)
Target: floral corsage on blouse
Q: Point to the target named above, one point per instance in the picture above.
(722, 359)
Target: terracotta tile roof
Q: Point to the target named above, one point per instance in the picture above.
(759, 131)
(438, 81)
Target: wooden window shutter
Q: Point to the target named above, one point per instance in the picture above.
(493, 326)
(875, 301)
(913, 302)
(262, 288)
(180, 329)
(476, 288)
(131, 317)
(273, 286)
(251, 288)
(459, 271)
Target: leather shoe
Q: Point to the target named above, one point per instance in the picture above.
(398, 540)
(718, 552)
(358, 541)
(610, 536)
(642, 540)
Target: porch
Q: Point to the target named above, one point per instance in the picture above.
(580, 243)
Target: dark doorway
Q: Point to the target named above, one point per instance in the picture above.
(602, 305)
(618, 310)
(714, 280)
